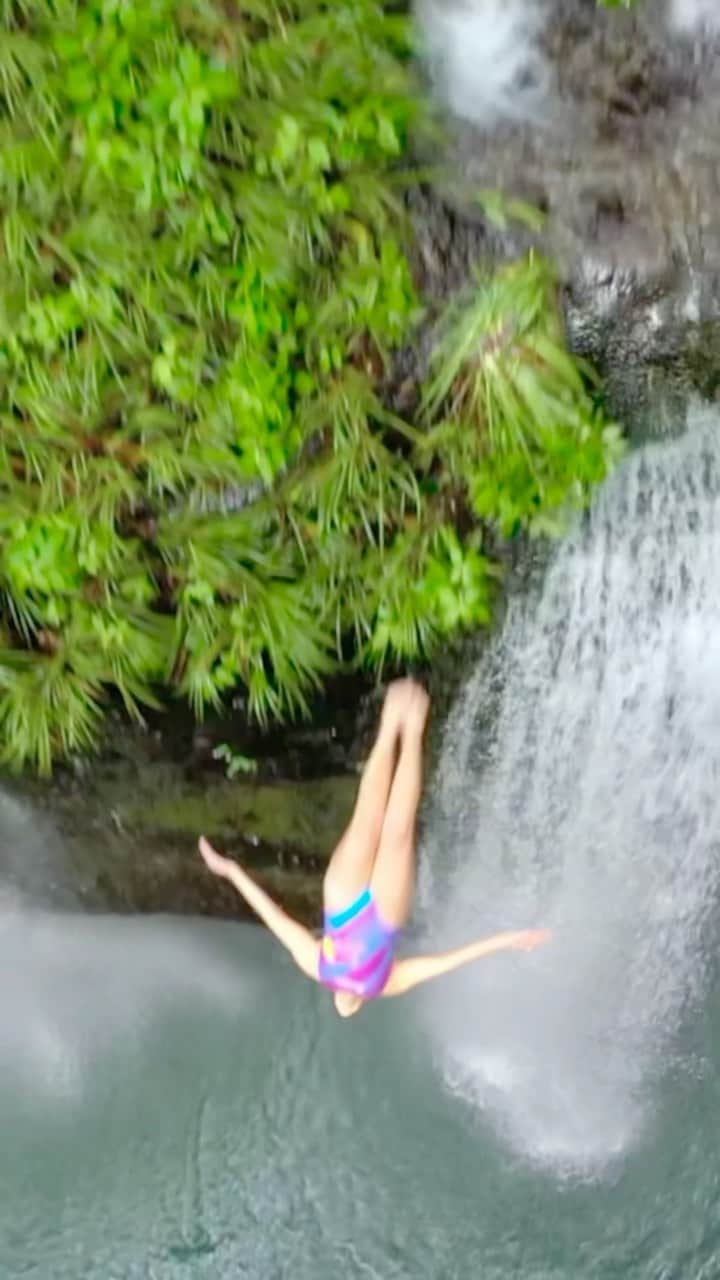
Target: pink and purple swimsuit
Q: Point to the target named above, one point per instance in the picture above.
(357, 950)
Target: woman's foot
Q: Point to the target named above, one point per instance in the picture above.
(406, 706)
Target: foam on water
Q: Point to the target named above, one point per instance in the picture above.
(579, 787)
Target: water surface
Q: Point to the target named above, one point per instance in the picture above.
(222, 1122)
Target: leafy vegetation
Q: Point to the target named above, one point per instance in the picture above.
(235, 762)
(204, 276)
(519, 424)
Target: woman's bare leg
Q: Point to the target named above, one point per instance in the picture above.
(351, 865)
(393, 877)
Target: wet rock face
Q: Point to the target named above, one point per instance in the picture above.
(622, 151)
(119, 833)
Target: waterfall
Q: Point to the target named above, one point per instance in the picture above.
(33, 859)
(579, 787)
(76, 986)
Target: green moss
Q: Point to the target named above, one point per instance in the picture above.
(203, 280)
(306, 816)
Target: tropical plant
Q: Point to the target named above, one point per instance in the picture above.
(508, 410)
(235, 762)
(200, 225)
(203, 278)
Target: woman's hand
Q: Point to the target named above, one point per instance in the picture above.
(214, 861)
(529, 939)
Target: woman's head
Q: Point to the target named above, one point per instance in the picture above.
(346, 1004)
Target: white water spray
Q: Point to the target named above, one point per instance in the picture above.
(580, 787)
(695, 16)
(484, 58)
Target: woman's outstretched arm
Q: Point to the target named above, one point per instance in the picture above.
(417, 969)
(303, 947)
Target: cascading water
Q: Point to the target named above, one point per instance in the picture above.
(33, 864)
(579, 787)
(76, 985)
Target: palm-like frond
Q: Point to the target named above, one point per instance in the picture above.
(508, 407)
(46, 710)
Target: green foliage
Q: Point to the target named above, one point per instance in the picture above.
(235, 762)
(203, 279)
(501, 210)
(509, 410)
(200, 251)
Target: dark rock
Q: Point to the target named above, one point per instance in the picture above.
(627, 167)
(120, 833)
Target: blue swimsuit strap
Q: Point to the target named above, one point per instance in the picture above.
(344, 917)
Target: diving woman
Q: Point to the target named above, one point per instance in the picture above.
(369, 883)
